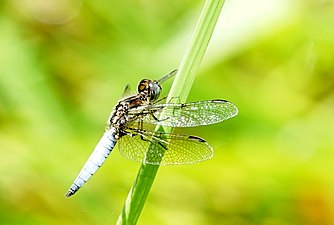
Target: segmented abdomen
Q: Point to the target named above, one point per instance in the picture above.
(95, 160)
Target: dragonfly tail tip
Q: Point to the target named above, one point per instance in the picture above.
(69, 193)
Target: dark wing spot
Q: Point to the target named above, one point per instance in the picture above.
(219, 100)
(196, 139)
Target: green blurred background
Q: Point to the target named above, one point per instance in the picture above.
(64, 64)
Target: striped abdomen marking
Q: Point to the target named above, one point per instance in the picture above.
(95, 160)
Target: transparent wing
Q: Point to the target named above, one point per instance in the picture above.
(127, 92)
(181, 149)
(188, 114)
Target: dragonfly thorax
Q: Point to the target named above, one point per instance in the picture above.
(118, 116)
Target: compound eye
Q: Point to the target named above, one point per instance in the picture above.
(143, 85)
(150, 89)
(154, 91)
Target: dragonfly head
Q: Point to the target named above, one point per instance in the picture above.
(150, 89)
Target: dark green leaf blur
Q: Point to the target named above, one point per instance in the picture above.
(64, 65)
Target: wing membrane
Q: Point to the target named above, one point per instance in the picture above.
(181, 149)
(189, 114)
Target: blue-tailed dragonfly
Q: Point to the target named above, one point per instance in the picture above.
(132, 122)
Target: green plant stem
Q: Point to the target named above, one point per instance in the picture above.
(180, 88)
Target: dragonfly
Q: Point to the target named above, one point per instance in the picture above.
(132, 124)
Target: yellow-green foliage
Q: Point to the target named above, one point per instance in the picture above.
(273, 163)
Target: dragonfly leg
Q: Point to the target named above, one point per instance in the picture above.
(157, 140)
(144, 138)
(160, 100)
(159, 120)
(124, 132)
(136, 132)
(174, 100)
(151, 112)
